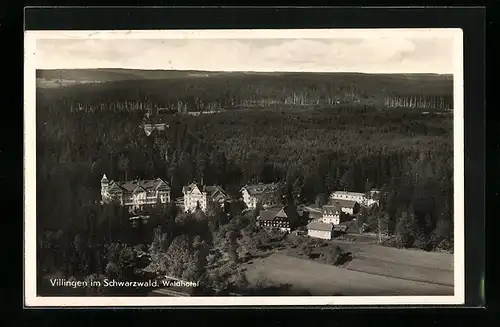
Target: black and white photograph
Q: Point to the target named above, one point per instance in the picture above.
(244, 167)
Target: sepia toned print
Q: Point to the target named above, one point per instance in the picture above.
(244, 167)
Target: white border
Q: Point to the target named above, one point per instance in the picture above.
(32, 300)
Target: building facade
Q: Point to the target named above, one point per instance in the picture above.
(285, 219)
(197, 196)
(136, 194)
(333, 215)
(348, 207)
(364, 199)
(319, 229)
(263, 193)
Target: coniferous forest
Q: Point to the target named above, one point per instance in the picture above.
(312, 133)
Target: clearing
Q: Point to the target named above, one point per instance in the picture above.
(374, 270)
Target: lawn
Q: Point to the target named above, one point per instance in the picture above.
(433, 260)
(324, 280)
(400, 270)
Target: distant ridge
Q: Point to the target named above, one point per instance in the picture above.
(120, 74)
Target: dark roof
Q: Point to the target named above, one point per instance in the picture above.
(331, 210)
(258, 189)
(315, 214)
(316, 225)
(147, 185)
(268, 214)
(213, 189)
(342, 203)
(271, 214)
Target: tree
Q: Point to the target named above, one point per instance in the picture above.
(123, 165)
(406, 229)
(178, 255)
(157, 251)
(195, 266)
(230, 246)
(335, 255)
(321, 200)
(297, 186)
(347, 180)
(361, 218)
(122, 262)
(257, 210)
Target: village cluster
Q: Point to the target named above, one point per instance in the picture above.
(318, 222)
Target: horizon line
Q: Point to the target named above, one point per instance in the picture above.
(247, 71)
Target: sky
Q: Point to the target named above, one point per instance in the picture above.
(432, 53)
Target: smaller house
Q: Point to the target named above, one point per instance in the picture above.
(285, 219)
(333, 215)
(149, 128)
(319, 229)
(349, 207)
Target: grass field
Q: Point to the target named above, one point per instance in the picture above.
(402, 271)
(433, 260)
(325, 280)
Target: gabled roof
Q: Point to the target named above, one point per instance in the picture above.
(269, 214)
(316, 225)
(273, 213)
(342, 203)
(258, 189)
(190, 187)
(214, 190)
(331, 210)
(282, 214)
(211, 190)
(140, 185)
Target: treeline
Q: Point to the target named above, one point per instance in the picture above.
(423, 102)
(229, 91)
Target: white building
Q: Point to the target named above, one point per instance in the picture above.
(319, 229)
(263, 193)
(363, 199)
(346, 206)
(135, 194)
(333, 215)
(200, 196)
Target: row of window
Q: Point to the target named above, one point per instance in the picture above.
(275, 224)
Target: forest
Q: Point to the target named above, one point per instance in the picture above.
(331, 140)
